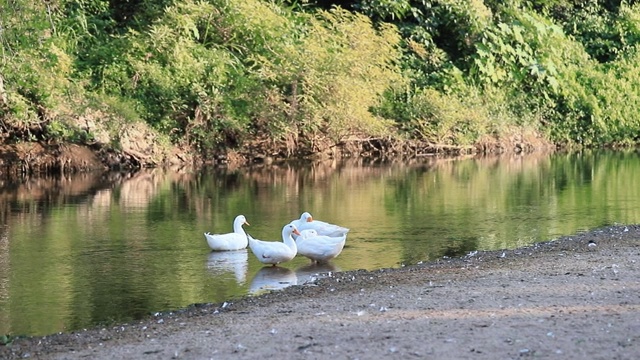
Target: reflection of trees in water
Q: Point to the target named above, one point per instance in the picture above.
(93, 192)
(459, 247)
(51, 190)
(298, 175)
(138, 190)
(5, 272)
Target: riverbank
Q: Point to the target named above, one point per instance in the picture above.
(141, 147)
(575, 297)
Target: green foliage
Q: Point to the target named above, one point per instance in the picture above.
(438, 35)
(63, 132)
(177, 77)
(601, 103)
(429, 115)
(386, 9)
(605, 29)
(35, 69)
(530, 55)
(329, 77)
(526, 53)
(6, 340)
(214, 74)
(522, 59)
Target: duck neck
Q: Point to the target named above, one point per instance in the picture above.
(288, 240)
(237, 227)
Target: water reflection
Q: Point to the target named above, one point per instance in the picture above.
(271, 278)
(234, 262)
(78, 251)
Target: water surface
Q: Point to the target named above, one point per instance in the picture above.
(93, 249)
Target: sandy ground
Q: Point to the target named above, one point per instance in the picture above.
(563, 299)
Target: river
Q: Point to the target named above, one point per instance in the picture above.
(93, 249)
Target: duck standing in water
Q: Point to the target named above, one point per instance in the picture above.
(274, 252)
(307, 222)
(319, 248)
(231, 241)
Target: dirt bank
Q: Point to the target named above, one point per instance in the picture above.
(138, 146)
(574, 298)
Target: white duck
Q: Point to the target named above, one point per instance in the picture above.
(232, 241)
(273, 252)
(319, 248)
(306, 222)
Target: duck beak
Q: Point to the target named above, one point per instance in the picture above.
(309, 219)
(247, 223)
(295, 231)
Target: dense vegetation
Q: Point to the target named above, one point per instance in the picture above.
(215, 74)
